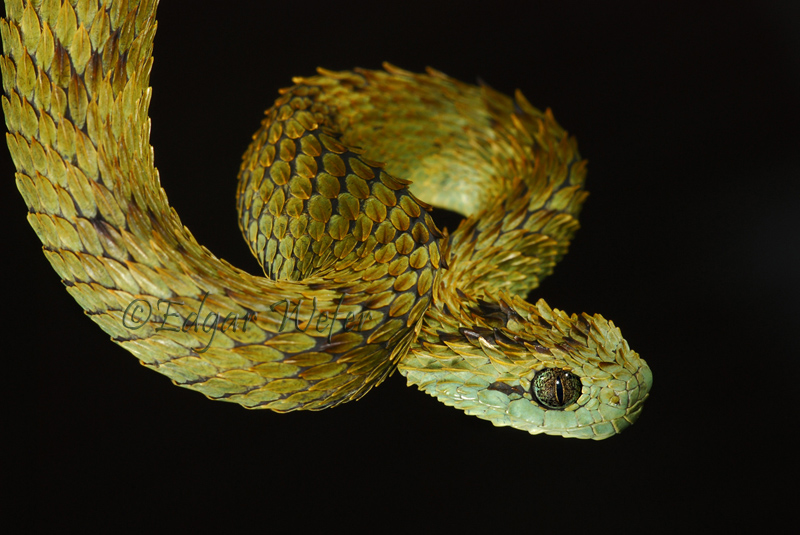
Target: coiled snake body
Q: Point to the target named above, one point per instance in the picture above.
(359, 281)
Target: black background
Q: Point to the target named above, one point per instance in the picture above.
(688, 114)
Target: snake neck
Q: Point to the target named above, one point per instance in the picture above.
(481, 347)
(537, 211)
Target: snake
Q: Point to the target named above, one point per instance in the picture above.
(334, 199)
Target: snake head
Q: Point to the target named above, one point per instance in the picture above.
(531, 367)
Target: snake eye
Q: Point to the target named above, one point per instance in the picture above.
(555, 388)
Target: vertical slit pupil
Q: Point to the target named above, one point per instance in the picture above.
(555, 388)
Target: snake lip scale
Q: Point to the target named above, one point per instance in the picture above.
(334, 200)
